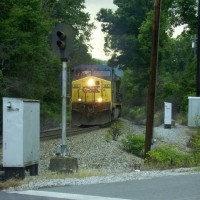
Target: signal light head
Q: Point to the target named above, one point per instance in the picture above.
(61, 42)
(61, 35)
(62, 39)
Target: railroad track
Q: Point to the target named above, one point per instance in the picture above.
(57, 132)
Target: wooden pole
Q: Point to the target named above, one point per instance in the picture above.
(198, 54)
(152, 78)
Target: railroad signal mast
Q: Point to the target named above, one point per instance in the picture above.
(62, 42)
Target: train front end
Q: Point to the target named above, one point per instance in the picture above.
(91, 98)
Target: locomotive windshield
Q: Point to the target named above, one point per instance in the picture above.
(101, 71)
(97, 73)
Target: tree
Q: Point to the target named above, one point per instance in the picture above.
(24, 38)
(28, 67)
(176, 76)
(122, 29)
(129, 33)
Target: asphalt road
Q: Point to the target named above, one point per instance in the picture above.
(182, 187)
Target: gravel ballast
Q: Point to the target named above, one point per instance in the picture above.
(93, 152)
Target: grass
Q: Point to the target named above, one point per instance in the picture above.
(10, 183)
(83, 173)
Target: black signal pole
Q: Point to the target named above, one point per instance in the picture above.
(198, 54)
(152, 77)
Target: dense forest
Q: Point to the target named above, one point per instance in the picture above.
(129, 38)
(30, 70)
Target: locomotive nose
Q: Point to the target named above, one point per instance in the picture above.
(90, 109)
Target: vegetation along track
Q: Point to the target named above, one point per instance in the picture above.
(57, 132)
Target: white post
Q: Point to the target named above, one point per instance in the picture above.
(64, 106)
(168, 115)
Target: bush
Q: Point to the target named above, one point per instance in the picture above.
(134, 144)
(114, 132)
(194, 144)
(167, 156)
(137, 114)
(158, 118)
(181, 118)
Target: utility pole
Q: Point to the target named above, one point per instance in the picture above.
(152, 77)
(198, 54)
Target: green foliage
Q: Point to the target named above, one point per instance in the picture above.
(176, 79)
(182, 12)
(168, 157)
(136, 114)
(28, 68)
(134, 144)
(133, 89)
(158, 118)
(129, 35)
(108, 136)
(122, 27)
(114, 131)
(181, 118)
(194, 144)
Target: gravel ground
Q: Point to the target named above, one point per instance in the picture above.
(93, 152)
(178, 135)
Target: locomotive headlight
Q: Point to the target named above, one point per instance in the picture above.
(90, 82)
(100, 100)
(79, 99)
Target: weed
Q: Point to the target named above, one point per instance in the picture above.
(114, 132)
(167, 156)
(83, 173)
(195, 146)
(134, 144)
(181, 118)
(137, 114)
(10, 183)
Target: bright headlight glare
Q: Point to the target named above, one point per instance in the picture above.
(90, 82)
(79, 99)
(100, 99)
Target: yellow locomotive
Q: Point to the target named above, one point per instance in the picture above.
(95, 95)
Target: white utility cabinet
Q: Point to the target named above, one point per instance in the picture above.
(167, 115)
(193, 111)
(21, 132)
